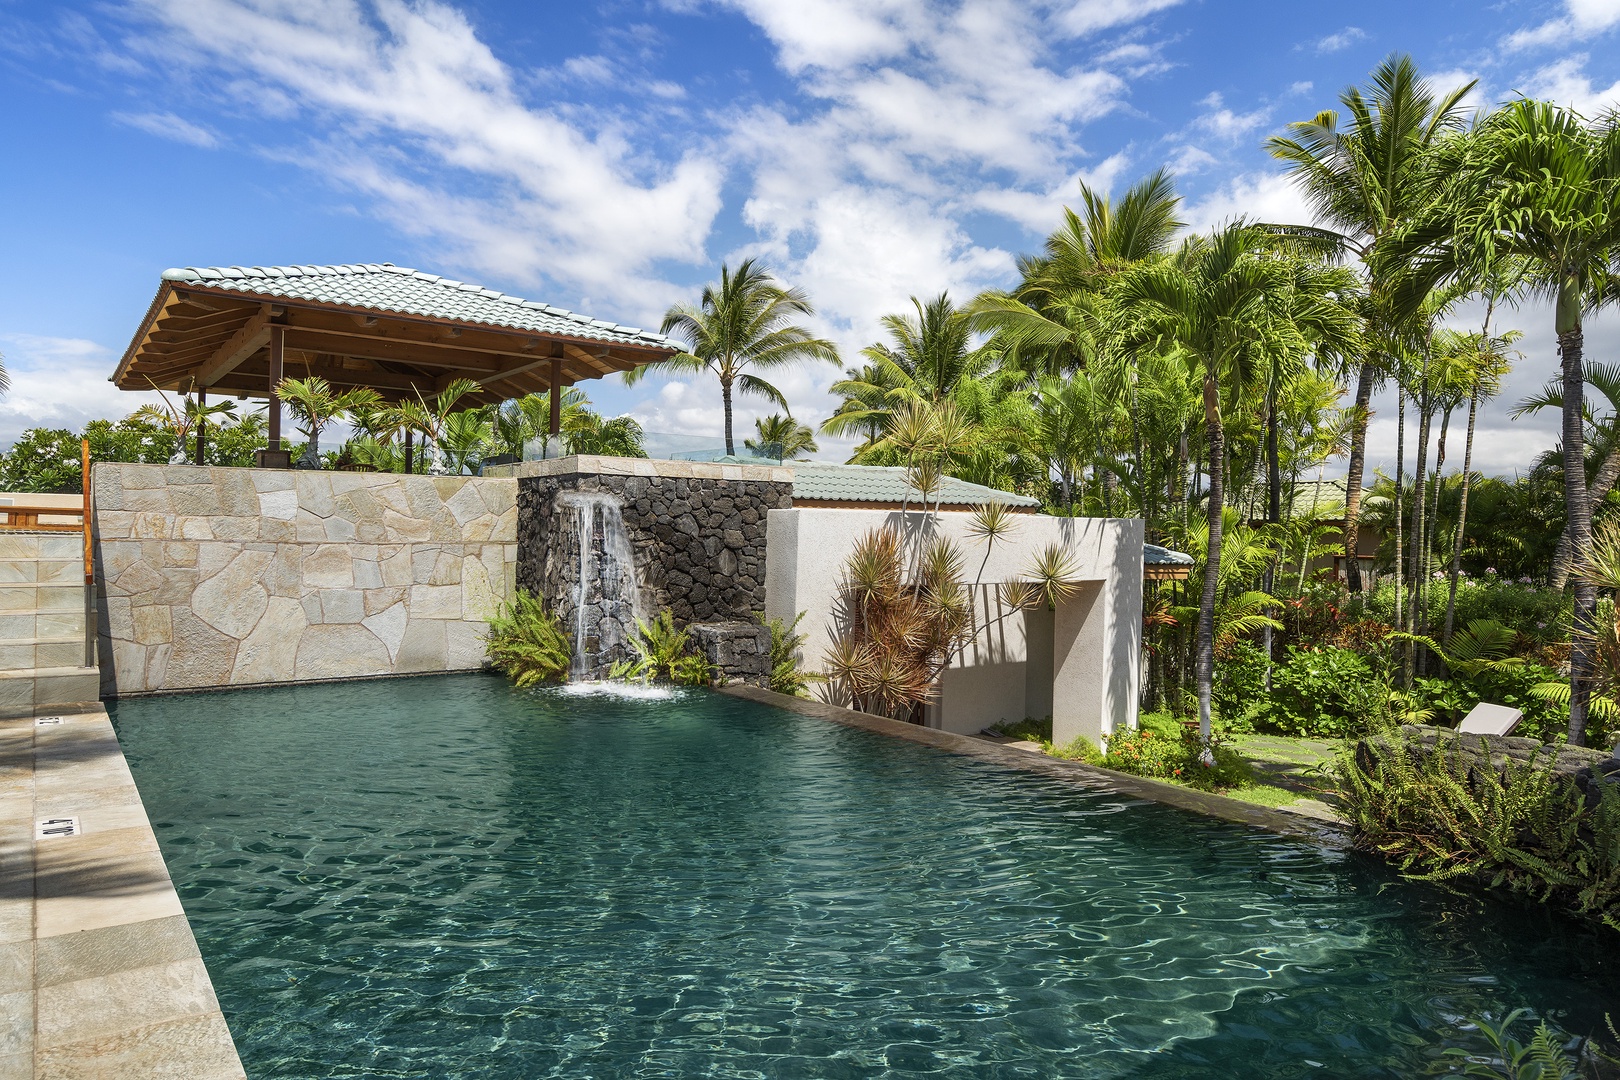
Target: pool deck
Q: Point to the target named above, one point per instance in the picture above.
(1075, 772)
(100, 976)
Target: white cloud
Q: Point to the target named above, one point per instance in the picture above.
(1581, 17)
(1350, 35)
(1039, 211)
(1089, 16)
(903, 117)
(1567, 83)
(1224, 123)
(59, 383)
(1267, 197)
(415, 102)
(166, 125)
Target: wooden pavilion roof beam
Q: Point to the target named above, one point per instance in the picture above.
(400, 331)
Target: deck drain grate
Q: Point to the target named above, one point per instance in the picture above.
(47, 721)
(50, 828)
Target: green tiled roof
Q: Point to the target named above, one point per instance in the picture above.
(386, 287)
(884, 484)
(1154, 555)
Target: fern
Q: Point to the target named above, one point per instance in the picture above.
(787, 675)
(1444, 815)
(527, 643)
(664, 654)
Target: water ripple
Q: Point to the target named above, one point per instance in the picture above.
(446, 877)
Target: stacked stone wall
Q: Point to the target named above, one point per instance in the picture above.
(698, 543)
(216, 576)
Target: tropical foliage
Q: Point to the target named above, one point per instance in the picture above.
(528, 643)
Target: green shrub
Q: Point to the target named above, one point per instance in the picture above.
(1539, 613)
(1239, 688)
(1154, 752)
(527, 643)
(1081, 749)
(664, 654)
(787, 671)
(1323, 692)
(1449, 700)
(1524, 829)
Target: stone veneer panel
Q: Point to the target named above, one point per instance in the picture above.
(697, 534)
(217, 577)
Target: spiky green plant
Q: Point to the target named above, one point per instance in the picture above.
(787, 670)
(664, 654)
(528, 643)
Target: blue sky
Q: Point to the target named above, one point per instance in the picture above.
(608, 156)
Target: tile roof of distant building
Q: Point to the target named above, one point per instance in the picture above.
(819, 481)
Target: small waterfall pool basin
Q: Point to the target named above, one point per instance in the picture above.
(448, 877)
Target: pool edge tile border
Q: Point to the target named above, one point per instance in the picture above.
(118, 933)
(1088, 776)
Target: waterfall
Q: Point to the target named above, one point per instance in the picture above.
(606, 594)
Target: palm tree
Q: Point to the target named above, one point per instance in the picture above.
(429, 417)
(1363, 179)
(1487, 361)
(1601, 382)
(315, 406)
(744, 322)
(929, 357)
(181, 419)
(588, 432)
(782, 438)
(1539, 185)
(1230, 304)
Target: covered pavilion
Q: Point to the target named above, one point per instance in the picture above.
(238, 330)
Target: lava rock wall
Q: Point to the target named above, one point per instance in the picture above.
(697, 541)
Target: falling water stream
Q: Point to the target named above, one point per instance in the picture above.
(605, 584)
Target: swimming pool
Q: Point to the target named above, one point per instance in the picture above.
(448, 877)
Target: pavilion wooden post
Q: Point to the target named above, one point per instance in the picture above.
(278, 343)
(554, 428)
(202, 423)
(408, 448)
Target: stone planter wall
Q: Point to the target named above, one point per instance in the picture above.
(697, 539)
(217, 577)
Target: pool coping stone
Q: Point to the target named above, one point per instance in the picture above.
(1280, 822)
(100, 974)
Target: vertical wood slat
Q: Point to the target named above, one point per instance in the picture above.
(84, 485)
(555, 426)
(278, 341)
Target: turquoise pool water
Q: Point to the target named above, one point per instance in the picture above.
(444, 877)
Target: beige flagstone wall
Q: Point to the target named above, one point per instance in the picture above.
(218, 577)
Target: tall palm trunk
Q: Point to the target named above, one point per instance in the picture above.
(1420, 488)
(1273, 509)
(1204, 669)
(1571, 344)
(1603, 483)
(1462, 518)
(725, 397)
(1434, 517)
(1352, 476)
(1400, 504)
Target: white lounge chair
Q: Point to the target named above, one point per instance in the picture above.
(1488, 719)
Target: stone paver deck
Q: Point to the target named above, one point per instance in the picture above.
(100, 976)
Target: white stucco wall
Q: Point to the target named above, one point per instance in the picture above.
(1086, 655)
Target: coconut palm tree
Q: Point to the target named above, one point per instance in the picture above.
(1488, 364)
(1229, 304)
(1538, 185)
(781, 437)
(928, 357)
(745, 322)
(1363, 177)
(315, 406)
